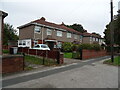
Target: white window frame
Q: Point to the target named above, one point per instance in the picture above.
(59, 33)
(37, 28)
(49, 32)
(69, 35)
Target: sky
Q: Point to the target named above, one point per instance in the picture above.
(93, 15)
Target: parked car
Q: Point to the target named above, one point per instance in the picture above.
(41, 47)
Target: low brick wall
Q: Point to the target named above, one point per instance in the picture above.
(87, 54)
(12, 63)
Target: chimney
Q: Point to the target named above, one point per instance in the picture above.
(63, 24)
(42, 18)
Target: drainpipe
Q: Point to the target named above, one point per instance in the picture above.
(42, 34)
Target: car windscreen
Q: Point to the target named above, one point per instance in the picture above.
(44, 46)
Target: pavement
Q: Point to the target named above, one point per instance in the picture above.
(90, 73)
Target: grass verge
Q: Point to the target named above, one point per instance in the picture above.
(115, 63)
(67, 55)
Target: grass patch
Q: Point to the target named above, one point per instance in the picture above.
(67, 55)
(5, 51)
(116, 61)
(37, 60)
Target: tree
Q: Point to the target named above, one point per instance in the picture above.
(9, 34)
(116, 27)
(77, 27)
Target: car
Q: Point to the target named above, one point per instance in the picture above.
(41, 47)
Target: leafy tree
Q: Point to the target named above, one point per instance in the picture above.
(77, 27)
(116, 27)
(9, 34)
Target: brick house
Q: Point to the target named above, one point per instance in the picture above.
(91, 38)
(41, 31)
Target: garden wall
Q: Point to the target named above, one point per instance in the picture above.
(87, 54)
(12, 63)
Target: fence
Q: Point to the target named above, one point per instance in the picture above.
(7, 47)
(56, 55)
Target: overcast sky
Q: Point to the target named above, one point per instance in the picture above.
(93, 15)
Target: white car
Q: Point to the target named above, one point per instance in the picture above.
(41, 47)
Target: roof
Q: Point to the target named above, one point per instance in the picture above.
(44, 22)
(62, 26)
(91, 35)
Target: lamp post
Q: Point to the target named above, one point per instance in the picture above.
(112, 32)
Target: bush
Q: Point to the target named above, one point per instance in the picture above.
(96, 47)
(67, 47)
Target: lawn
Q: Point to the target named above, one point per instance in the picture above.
(67, 55)
(116, 61)
(5, 51)
(37, 60)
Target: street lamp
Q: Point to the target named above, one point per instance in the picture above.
(112, 32)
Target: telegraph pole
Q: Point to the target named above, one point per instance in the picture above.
(112, 32)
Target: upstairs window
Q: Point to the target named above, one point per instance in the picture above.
(75, 36)
(69, 35)
(49, 32)
(59, 33)
(81, 37)
(37, 29)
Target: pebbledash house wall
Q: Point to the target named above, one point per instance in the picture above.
(28, 33)
(86, 40)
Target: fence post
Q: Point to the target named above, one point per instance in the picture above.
(58, 57)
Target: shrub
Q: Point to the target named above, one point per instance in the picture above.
(67, 47)
(96, 47)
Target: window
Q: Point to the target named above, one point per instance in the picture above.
(93, 39)
(97, 39)
(75, 36)
(49, 32)
(24, 42)
(69, 35)
(44, 46)
(37, 29)
(81, 37)
(59, 33)
(90, 38)
(20, 42)
(59, 44)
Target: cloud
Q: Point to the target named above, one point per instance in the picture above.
(92, 14)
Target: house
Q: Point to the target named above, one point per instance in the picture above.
(41, 31)
(92, 38)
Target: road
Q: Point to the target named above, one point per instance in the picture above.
(88, 74)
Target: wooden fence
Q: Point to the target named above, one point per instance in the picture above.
(43, 53)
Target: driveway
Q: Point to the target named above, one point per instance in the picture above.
(88, 74)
